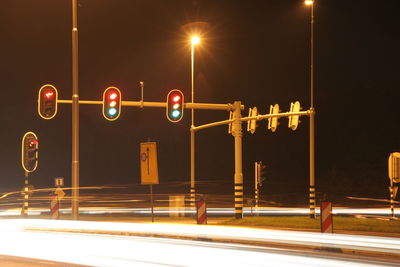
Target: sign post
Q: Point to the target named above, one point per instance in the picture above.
(149, 168)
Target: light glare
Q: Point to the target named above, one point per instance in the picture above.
(49, 94)
(112, 111)
(309, 2)
(195, 40)
(113, 96)
(176, 113)
(176, 98)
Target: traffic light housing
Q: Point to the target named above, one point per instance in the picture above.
(294, 120)
(252, 124)
(47, 102)
(112, 103)
(175, 102)
(273, 122)
(261, 173)
(30, 148)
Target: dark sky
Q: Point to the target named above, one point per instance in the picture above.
(254, 51)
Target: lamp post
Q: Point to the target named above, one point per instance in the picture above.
(75, 114)
(311, 3)
(195, 40)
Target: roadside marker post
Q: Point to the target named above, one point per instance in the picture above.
(54, 207)
(201, 208)
(326, 217)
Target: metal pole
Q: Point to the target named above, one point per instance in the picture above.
(391, 197)
(152, 203)
(238, 177)
(25, 205)
(192, 140)
(256, 184)
(75, 114)
(312, 123)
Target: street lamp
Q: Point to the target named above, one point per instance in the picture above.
(195, 40)
(312, 113)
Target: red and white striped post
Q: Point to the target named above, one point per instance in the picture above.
(54, 207)
(326, 217)
(201, 211)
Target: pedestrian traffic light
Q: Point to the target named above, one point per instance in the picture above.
(30, 147)
(175, 101)
(111, 103)
(294, 120)
(47, 102)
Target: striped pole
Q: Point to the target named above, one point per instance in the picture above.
(391, 197)
(54, 207)
(25, 206)
(201, 211)
(312, 164)
(256, 184)
(238, 177)
(326, 217)
(312, 202)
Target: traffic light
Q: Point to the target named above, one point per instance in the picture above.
(294, 120)
(175, 101)
(252, 124)
(30, 153)
(273, 122)
(47, 102)
(261, 173)
(111, 103)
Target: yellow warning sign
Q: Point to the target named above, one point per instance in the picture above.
(148, 163)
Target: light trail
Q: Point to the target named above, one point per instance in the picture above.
(210, 211)
(121, 250)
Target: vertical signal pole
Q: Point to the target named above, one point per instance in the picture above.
(391, 197)
(312, 121)
(26, 197)
(192, 133)
(238, 177)
(256, 176)
(75, 114)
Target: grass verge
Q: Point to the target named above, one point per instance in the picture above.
(304, 222)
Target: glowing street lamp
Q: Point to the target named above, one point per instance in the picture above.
(309, 2)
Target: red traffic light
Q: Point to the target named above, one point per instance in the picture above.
(47, 102)
(111, 103)
(30, 148)
(175, 102)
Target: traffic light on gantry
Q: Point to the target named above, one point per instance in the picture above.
(111, 103)
(47, 102)
(30, 148)
(175, 102)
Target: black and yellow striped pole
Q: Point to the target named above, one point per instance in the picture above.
(391, 197)
(256, 183)
(238, 177)
(25, 205)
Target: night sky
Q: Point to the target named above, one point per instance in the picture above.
(255, 51)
